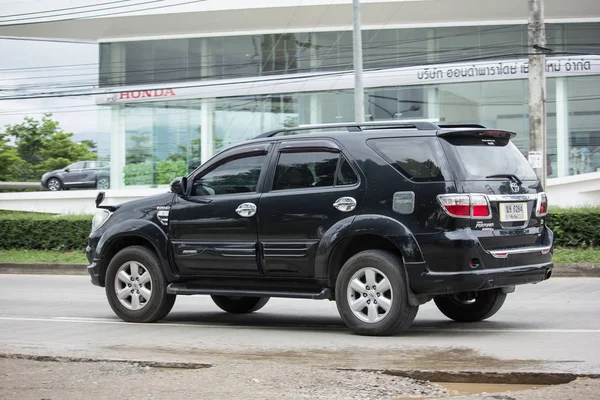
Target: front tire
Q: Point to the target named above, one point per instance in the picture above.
(240, 304)
(54, 184)
(371, 294)
(471, 307)
(136, 287)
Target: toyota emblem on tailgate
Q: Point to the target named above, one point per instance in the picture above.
(514, 186)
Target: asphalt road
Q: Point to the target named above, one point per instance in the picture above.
(552, 326)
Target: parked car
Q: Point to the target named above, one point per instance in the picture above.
(82, 174)
(379, 218)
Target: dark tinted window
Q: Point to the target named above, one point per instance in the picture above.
(312, 169)
(478, 157)
(416, 158)
(303, 170)
(346, 175)
(236, 176)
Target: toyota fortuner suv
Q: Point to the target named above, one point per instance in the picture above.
(379, 218)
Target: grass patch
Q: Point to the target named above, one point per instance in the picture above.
(43, 256)
(572, 256)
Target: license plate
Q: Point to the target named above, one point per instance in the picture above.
(510, 212)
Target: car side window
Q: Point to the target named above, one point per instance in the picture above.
(312, 169)
(76, 166)
(239, 175)
(346, 175)
(91, 164)
(415, 158)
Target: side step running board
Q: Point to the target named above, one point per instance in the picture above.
(184, 289)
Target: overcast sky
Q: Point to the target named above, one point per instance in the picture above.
(44, 66)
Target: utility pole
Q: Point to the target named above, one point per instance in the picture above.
(537, 89)
(359, 91)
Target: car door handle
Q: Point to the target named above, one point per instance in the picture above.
(246, 210)
(345, 204)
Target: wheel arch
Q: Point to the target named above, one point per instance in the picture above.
(136, 233)
(370, 232)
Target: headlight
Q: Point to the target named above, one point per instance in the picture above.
(100, 218)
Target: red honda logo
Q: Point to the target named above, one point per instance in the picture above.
(141, 94)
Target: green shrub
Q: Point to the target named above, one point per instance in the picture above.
(168, 170)
(139, 173)
(43, 231)
(575, 227)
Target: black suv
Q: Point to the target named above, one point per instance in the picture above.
(379, 218)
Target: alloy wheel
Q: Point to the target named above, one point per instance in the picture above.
(133, 285)
(370, 295)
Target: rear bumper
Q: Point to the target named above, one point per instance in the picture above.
(424, 282)
(456, 262)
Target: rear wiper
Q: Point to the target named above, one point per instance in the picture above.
(510, 176)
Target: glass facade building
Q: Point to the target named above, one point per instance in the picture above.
(156, 135)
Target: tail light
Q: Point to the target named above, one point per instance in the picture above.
(480, 206)
(542, 205)
(456, 205)
(466, 205)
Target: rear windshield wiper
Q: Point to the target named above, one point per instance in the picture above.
(510, 176)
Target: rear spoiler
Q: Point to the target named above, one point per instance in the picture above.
(477, 132)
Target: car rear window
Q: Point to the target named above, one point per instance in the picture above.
(419, 159)
(476, 158)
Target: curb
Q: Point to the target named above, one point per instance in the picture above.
(576, 270)
(43, 269)
(560, 270)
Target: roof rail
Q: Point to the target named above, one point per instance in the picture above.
(355, 127)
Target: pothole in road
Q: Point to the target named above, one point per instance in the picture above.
(464, 389)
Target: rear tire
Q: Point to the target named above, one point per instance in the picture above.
(103, 184)
(463, 308)
(136, 287)
(240, 304)
(371, 294)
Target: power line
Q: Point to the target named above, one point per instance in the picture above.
(74, 13)
(317, 57)
(266, 79)
(509, 28)
(105, 14)
(407, 60)
(63, 9)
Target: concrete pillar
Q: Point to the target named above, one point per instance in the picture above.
(433, 103)
(562, 127)
(117, 147)
(207, 130)
(316, 109)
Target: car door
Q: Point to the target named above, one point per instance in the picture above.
(73, 175)
(89, 174)
(313, 187)
(213, 230)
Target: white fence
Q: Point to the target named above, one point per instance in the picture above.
(572, 191)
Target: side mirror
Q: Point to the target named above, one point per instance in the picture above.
(179, 186)
(66, 169)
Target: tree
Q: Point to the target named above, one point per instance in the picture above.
(39, 146)
(10, 162)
